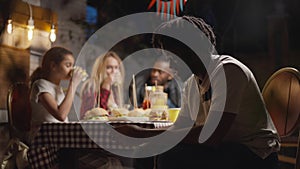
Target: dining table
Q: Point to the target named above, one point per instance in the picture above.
(51, 137)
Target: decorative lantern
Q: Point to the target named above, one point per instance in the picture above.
(168, 8)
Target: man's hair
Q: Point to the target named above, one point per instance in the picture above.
(203, 26)
(158, 39)
(185, 26)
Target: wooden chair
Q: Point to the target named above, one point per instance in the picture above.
(19, 110)
(281, 94)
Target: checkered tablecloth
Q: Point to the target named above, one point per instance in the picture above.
(53, 136)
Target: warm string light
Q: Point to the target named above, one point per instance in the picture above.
(9, 26)
(30, 25)
(30, 29)
(52, 35)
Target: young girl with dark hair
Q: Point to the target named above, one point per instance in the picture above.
(48, 100)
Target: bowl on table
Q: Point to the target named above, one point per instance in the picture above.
(173, 114)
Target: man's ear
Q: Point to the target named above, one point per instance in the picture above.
(171, 76)
(173, 73)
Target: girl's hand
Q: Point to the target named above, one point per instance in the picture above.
(78, 75)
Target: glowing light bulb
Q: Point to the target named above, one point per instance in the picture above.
(30, 29)
(52, 35)
(30, 34)
(9, 26)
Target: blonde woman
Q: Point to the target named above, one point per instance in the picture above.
(105, 87)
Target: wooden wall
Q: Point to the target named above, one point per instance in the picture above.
(14, 67)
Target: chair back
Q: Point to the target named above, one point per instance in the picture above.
(19, 109)
(281, 94)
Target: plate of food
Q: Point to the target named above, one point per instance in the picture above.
(96, 114)
(127, 118)
(135, 115)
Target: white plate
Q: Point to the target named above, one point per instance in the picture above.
(101, 120)
(125, 118)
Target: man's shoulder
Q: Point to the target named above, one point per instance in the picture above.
(228, 59)
(229, 62)
(173, 84)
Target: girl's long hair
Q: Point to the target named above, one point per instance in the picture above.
(55, 55)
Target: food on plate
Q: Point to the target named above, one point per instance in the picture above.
(158, 114)
(96, 114)
(147, 112)
(154, 116)
(164, 115)
(136, 113)
(119, 112)
(115, 113)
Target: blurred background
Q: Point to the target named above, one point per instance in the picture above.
(261, 34)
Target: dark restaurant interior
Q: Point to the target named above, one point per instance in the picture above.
(261, 34)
